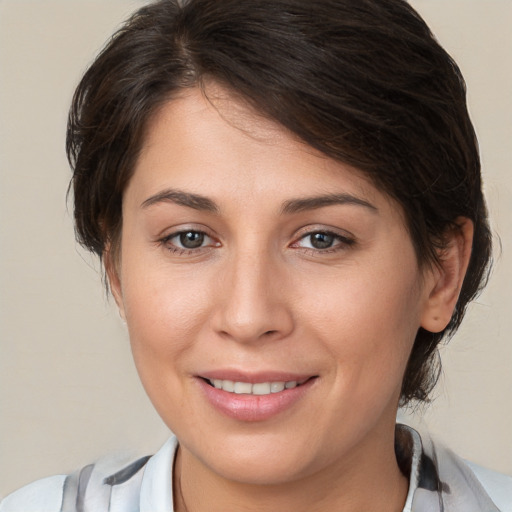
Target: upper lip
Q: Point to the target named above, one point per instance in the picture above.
(255, 377)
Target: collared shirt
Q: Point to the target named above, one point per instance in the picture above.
(439, 481)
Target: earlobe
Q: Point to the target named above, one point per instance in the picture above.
(112, 272)
(445, 280)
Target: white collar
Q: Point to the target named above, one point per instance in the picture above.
(156, 488)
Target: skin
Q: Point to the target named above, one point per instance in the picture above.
(257, 295)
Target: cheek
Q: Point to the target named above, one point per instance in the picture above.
(162, 309)
(162, 315)
(368, 320)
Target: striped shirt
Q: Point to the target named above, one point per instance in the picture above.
(439, 481)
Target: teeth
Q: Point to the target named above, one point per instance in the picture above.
(262, 388)
(243, 388)
(246, 388)
(275, 387)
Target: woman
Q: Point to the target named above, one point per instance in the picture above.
(287, 201)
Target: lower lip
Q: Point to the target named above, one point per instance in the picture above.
(253, 408)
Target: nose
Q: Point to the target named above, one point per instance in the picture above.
(253, 304)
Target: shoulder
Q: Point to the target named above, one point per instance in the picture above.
(42, 495)
(497, 485)
(93, 487)
(492, 490)
(440, 479)
(113, 483)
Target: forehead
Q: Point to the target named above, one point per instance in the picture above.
(205, 116)
(211, 141)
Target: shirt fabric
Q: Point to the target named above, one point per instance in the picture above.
(439, 481)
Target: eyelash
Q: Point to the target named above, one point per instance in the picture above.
(184, 251)
(340, 242)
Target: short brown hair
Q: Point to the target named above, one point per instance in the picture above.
(363, 81)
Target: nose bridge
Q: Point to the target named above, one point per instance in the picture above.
(254, 302)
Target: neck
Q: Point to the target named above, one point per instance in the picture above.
(367, 480)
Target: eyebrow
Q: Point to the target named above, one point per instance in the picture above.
(202, 203)
(312, 203)
(195, 201)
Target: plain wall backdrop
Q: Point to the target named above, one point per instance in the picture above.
(69, 392)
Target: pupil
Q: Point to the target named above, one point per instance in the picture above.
(322, 240)
(192, 239)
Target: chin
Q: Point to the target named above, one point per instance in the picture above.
(258, 471)
(259, 459)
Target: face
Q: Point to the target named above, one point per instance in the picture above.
(272, 295)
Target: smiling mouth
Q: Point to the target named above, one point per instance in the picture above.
(258, 388)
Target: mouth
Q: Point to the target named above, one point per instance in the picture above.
(257, 388)
(255, 398)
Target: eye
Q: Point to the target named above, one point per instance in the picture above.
(320, 240)
(189, 240)
(326, 241)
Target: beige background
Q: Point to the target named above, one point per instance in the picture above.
(68, 388)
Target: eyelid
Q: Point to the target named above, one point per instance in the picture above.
(318, 228)
(177, 234)
(164, 240)
(345, 239)
(183, 228)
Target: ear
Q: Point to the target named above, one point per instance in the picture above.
(112, 268)
(444, 281)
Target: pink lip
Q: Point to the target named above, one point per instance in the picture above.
(253, 378)
(252, 408)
